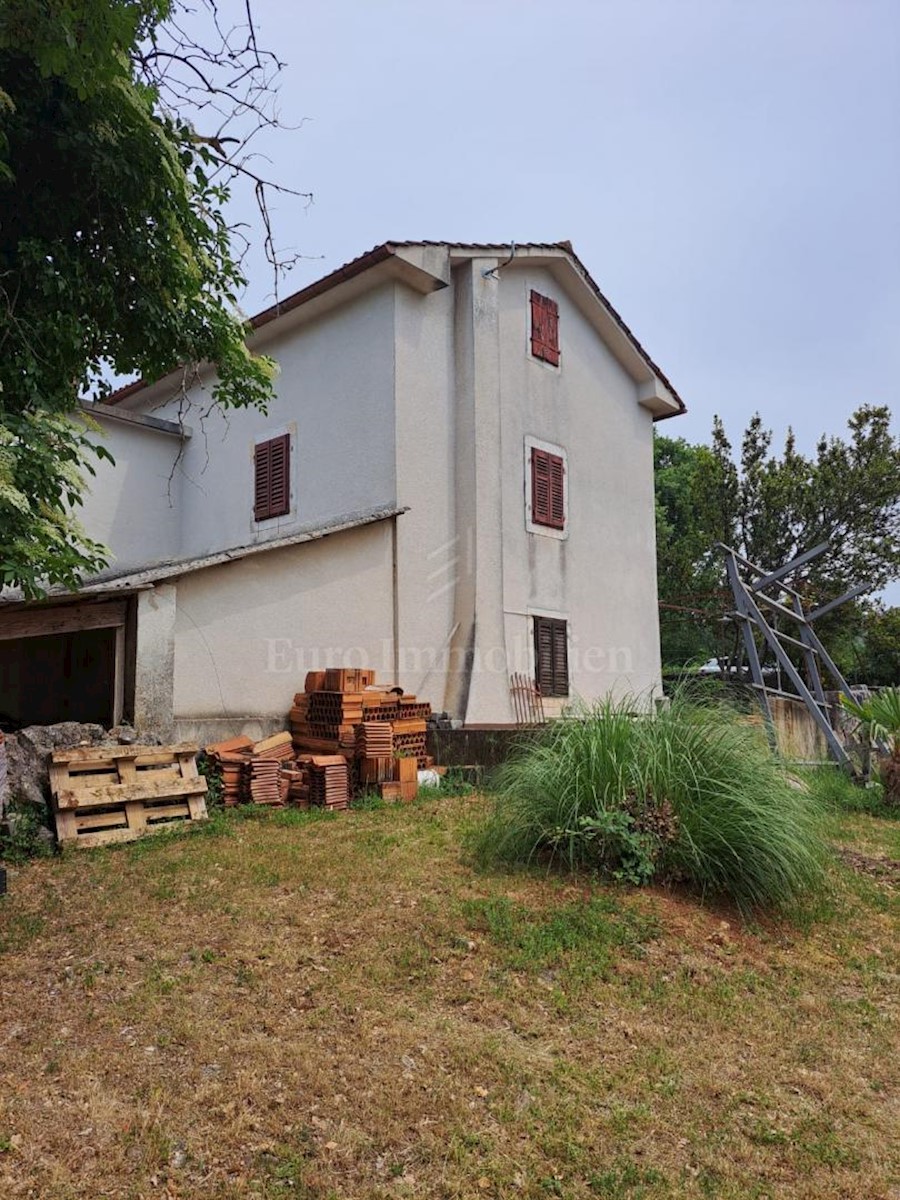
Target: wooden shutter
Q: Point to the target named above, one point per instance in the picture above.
(537, 325)
(551, 656)
(548, 489)
(545, 328)
(560, 659)
(272, 478)
(543, 656)
(280, 491)
(262, 480)
(540, 486)
(557, 514)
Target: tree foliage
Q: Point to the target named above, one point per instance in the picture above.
(115, 254)
(770, 508)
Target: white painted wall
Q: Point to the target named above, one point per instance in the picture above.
(426, 401)
(430, 555)
(246, 633)
(602, 577)
(334, 395)
(131, 507)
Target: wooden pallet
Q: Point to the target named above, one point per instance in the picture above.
(106, 794)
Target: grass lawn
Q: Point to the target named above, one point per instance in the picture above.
(296, 1006)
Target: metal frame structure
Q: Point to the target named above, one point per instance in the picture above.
(756, 591)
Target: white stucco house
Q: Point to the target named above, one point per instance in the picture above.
(453, 483)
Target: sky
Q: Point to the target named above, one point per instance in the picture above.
(727, 170)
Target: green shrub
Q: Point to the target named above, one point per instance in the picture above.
(691, 793)
(22, 836)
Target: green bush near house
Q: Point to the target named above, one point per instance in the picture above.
(692, 793)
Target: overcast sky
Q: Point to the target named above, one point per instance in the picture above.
(728, 170)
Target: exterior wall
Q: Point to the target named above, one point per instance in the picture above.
(418, 400)
(246, 633)
(601, 576)
(471, 572)
(334, 394)
(133, 507)
(430, 556)
(155, 659)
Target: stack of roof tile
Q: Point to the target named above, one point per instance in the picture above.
(329, 782)
(263, 781)
(229, 758)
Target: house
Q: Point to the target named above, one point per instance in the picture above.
(453, 483)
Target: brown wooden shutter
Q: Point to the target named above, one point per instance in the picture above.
(262, 480)
(548, 489)
(272, 482)
(551, 656)
(540, 486)
(557, 513)
(280, 494)
(560, 659)
(537, 325)
(545, 328)
(551, 332)
(543, 656)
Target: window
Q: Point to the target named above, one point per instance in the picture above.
(272, 478)
(545, 329)
(548, 489)
(551, 656)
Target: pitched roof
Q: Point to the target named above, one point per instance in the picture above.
(386, 251)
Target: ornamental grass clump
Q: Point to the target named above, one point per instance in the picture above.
(691, 793)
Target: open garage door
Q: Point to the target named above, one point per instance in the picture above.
(63, 662)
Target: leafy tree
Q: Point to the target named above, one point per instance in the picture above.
(771, 508)
(115, 254)
(690, 593)
(866, 647)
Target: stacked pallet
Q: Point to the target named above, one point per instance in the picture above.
(106, 794)
(329, 782)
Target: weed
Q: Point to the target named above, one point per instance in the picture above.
(23, 836)
(368, 802)
(581, 937)
(624, 1179)
(837, 792)
(20, 929)
(263, 875)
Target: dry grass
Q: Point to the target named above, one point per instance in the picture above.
(344, 1008)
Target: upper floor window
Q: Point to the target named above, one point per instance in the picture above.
(272, 478)
(545, 329)
(548, 488)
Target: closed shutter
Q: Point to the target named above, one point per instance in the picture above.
(545, 328)
(548, 489)
(557, 492)
(560, 659)
(540, 486)
(272, 482)
(551, 333)
(551, 656)
(537, 325)
(263, 480)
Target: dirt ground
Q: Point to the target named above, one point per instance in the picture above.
(293, 1006)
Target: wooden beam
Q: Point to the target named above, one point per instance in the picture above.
(16, 622)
